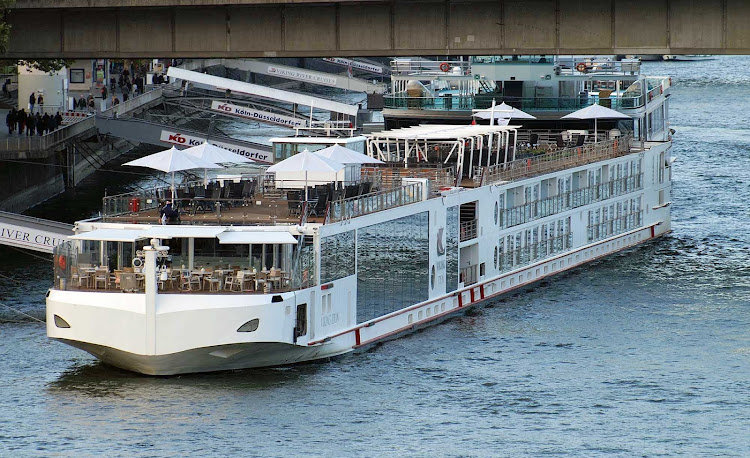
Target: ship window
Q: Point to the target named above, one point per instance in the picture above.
(393, 253)
(337, 256)
(250, 326)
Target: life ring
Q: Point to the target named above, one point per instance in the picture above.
(62, 262)
(445, 67)
(581, 67)
(137, 262)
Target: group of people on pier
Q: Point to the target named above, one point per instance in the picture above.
(30, 123)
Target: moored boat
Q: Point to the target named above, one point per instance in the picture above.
(264, 269)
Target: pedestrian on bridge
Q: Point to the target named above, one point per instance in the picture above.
(125, 92)
(32, 101)
(58, 120)
(81, 103)
(10, 120)
(30, 125)
(104, 92)
(21, 120)
(40, 102)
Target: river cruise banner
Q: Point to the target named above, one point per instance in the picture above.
(300, 75)
(178, 138)
(256, 115)
(354, 64)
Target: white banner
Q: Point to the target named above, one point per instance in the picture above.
(256, 115)
(301, 76)
(354, 64)
(177, 138)
(31, 238)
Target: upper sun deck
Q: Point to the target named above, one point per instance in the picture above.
(537, 84)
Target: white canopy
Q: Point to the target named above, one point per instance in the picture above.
(306, 169)
(502, 111)
(170, 232)
(171, 161)
(216, 154)
(111, 235)
(596, 112)
(345, 155)
(275, 237)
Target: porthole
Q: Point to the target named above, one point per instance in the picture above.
(250, 326)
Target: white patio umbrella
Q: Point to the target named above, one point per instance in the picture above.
(596, 112)
(502, 111)
(171, 161)
(307, 165)
(345, 155)
(215, 154)
(353, 161)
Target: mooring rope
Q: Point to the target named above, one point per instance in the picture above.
(22, 313)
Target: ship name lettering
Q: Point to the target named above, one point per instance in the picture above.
(327, 320)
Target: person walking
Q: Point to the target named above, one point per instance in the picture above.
(21, 120)
(92, 105)
(58, 120)
(81, 103)
(40, 102)
(10, 120)
(125, 92)
(46, 124)
(30, 125)
(32, 101)
(104, 92)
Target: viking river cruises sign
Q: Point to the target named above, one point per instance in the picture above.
(300, 75)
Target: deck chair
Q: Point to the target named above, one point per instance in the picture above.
(320, 205)
(533, 140)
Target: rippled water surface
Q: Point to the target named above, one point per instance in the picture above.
(645, 353)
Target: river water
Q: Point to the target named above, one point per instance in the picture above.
(645, 353)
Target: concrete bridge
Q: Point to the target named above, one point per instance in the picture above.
(277, 28)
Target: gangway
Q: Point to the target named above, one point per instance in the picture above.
(138, 130)
(262, 91)
(307, 76)
(362, 64)
(32, 233)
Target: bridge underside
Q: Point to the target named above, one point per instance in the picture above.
(268, 28)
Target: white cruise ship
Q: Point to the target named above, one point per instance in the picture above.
(257, 272)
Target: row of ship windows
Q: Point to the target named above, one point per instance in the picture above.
(533, 244)
(578, 189)
(614, 218)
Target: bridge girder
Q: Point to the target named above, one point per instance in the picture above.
(298, 28)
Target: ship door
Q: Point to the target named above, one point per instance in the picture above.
(300, 326)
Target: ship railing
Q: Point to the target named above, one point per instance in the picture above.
(468, 230)
(542, 208)
(389, 175)
(509, 259)
(558, 160)
(451, 102)
(344, 209)
(657, 86)
(406, 67)
(614, 226)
